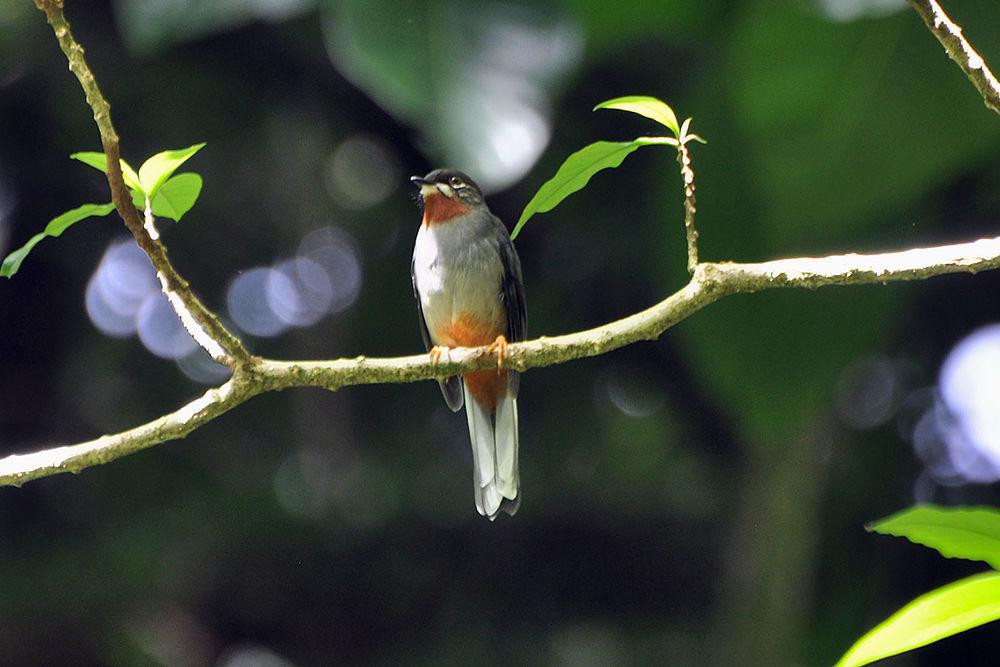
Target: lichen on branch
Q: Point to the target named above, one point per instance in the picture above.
(253, 375)
(711, 282)
(960, 50)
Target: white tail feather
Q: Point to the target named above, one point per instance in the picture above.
(494, 455)
(483, 447)
(505, 437)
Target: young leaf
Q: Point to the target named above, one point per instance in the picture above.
(578, 169)
(650, 107)
(56, 226)
(100, 161)
(175, 197)
(943, 612)
(960, 532)
(158, 168)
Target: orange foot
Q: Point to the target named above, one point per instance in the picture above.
(436, 353)
(500, 347)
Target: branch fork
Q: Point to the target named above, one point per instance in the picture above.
(710, 281)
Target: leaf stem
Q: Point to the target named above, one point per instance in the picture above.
(150, 222)
(690, 202)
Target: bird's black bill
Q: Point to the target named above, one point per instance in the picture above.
(419, 180)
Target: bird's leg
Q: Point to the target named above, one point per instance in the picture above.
(436, 352)
(500, 347)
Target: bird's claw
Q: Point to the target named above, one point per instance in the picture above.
(436, 353)
(500, 347)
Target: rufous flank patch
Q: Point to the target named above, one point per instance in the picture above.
(466, 330)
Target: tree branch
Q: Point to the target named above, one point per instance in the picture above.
(19, 468)
(253, 376)
(960, 50)
(201, 323)
(711, 281)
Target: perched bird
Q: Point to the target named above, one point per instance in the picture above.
(467, 281)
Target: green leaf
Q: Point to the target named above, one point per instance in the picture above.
(158, 168)
(960, 532)
(100, 161)
(943, 612)
(56, 226)
(650, 107)
(175, 197)
(578, 169)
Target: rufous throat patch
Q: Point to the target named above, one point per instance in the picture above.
(439, 209)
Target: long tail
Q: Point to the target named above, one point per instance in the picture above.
(494, 455)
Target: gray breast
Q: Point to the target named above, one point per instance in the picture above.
(458, 272)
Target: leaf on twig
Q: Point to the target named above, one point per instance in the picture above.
(157, 169)
(100, 161)
(56, 226)
(577, 171)
(647, 106)
(960, 532)
(579, 167)
(943, 612)
(174, 198)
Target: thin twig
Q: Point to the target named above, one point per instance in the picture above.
(711, 281)
(690, 202)
(960, 50)
(203, 325)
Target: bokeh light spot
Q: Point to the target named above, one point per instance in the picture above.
(844, 11)
(121, 283)
(869, 392)
(251, 655)
(103, 316)
(323, 279)
(248, 303)
(197, 365)
(958, 435)
(161, 331)
(299, 292)
(335, 252)
(970, 392)
(630, 392)
(362, 172)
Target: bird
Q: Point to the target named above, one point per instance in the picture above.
(470, 292)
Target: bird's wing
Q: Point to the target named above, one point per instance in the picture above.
(512, 295)
(451, 387)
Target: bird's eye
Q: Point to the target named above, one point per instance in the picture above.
(456, 182)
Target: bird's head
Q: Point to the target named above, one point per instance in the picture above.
(447, 193)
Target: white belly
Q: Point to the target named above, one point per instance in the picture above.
(458, 279)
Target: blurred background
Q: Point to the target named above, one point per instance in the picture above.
(696, 500)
